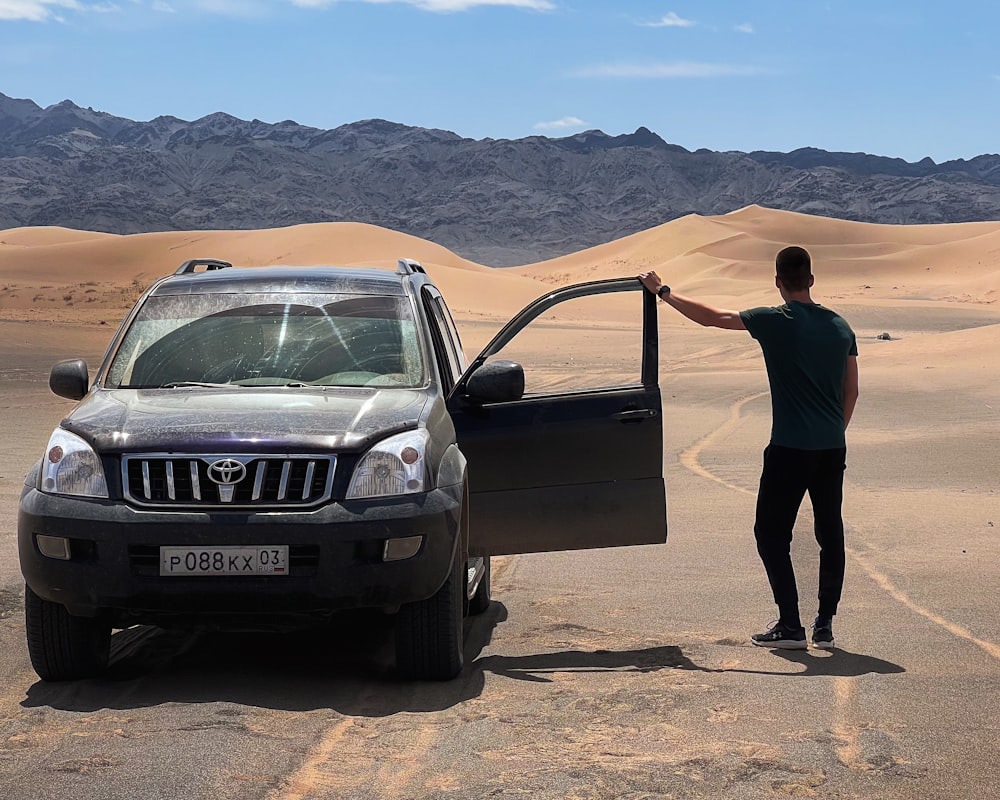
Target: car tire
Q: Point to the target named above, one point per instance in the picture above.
(429, 633)
(63, 647)
(481, 599)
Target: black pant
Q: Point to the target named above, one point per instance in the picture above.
(787, 475)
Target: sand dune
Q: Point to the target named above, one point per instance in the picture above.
(42, 236)
(55, 273)
(810, 231)
(57, 253)
(66, 275)
(732, 256)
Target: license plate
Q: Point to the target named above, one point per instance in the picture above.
(226, 560)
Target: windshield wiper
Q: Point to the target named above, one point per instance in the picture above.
(198, 384)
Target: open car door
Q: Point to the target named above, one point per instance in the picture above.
(560, 421)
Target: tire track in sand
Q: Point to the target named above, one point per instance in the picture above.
(690, 458)
(310, 775)
(314, 777)
(847, 735)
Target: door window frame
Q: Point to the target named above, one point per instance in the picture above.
(649, 376)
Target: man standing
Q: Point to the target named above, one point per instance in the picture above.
(811, 356)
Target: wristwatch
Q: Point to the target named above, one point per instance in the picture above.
(663, 291)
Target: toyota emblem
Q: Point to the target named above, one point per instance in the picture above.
(226, 471)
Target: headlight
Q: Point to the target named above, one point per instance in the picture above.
(71, 467)
(397, 465)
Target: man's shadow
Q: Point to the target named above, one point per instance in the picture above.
(839, 663)
(537, 666)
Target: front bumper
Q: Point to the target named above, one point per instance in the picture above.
(335, 557)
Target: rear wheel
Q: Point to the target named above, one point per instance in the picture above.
(429, 644)
(63, 647)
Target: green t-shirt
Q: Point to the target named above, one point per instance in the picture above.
(805, 351)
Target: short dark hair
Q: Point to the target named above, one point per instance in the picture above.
(794, 268)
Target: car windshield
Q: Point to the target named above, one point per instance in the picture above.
(269, 340)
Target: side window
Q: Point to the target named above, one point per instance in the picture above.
(582, 344)
(453, 331)
(451, 359)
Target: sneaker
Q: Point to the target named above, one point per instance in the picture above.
(782, 636)
(823, 633)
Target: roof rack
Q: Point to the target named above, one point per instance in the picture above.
(407, 266)
(208, 263)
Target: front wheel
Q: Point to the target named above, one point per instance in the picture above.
(63, 647)
(429, 644)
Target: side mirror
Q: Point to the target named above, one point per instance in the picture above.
(70, 379)
(496, 382)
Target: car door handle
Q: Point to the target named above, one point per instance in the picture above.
(634, 415)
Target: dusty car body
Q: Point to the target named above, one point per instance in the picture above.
(265, 447)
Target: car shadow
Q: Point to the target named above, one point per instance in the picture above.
(346, 666)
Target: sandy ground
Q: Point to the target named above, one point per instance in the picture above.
(602, 674)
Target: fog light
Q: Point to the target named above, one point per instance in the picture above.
(53, 547)
(398, 549)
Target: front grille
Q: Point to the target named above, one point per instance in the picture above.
(228, 481)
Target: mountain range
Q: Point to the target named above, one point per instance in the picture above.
(500, 202)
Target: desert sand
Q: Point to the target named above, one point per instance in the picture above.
(56, 274)
(933, 288)
(609, 673)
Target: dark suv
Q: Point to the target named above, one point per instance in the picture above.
(263, 447)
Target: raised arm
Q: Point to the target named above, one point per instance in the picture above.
(851, 389)
(703, 314)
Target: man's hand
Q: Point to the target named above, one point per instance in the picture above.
(651, 281)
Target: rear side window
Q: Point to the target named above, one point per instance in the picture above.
(269, 340)
(445, 337)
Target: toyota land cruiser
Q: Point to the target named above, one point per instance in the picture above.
(267, 446)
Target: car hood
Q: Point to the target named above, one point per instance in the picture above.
(249, 420)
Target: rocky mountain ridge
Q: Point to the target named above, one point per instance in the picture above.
(497, 201)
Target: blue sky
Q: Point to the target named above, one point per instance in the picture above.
(907, 80)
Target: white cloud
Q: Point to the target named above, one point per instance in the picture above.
(237, 9)
(49, 10)
(465, 5)
(560, 124)
(441, 6)
(34, 10)
(672, 69)
(671, 20)
(746, 27)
